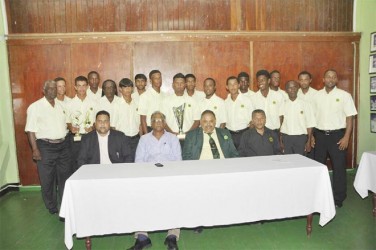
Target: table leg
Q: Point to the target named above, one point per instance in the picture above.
(309, 224)
(374, 205)
(88, 243)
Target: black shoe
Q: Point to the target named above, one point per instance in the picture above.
(339, 204)
(139, 245)
(171, 243)
(53, 211)
(198, 230)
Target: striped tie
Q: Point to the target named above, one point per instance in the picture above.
(213, 147)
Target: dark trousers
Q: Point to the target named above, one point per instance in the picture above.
(236, 136)
(328, 144)
(54, 168)
(75, 151)
(133, 142)
(294, 144)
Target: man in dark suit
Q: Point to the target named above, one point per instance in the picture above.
(104, 145)
(207, 141)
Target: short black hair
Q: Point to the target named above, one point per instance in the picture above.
(330, 70)
(232, 78)
(178, 75)
(210, 79)
(274, 71)
(112, 82)
(92, 72)
(59, 79)
(263, 72)
(80, 79)
(126, 82)
(190, 76)
(154, 71)
(258, 111)
(140, 76)
(305, 73)
(243, 74)
(207, 112)
(287, 83)
(102, 112)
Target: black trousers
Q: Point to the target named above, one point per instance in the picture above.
(294, 144)
(133, 142)
(236, 136)
(327, 144)
(75, 150)
(54, 169)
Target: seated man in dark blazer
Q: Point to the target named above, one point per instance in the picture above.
(207, 141)
(104, 145)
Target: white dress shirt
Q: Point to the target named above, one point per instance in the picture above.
(239, 112)
(103, 148)
(95, 97)
(217, 105)
(150, 101)
(105, 104)
(206, 152)
(127, 120)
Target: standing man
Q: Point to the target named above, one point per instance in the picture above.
(46, 131)
(259, 140)
(140, 82)
(190, 80)
(109, 99)
(191, 118)
(150, 101)
(214, 103)
(80, 117)
(104, 145)
(335, 110)
(268, 100)
(275, 80)
(238, 109)
(306, 92)
(61, 90)
(127, 119)
(243, 79)
(298, 121)
(94, 92)
(156, 147)
(208, 142)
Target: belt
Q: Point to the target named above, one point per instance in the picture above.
(55, 141)
(237, 131)
(329, 132)
(133, 137)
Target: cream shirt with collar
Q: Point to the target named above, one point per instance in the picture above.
(95, 97)
(45, 120)
(105, 104)
(81, 112)
(150, 101)
(197, 95)
(239, 112)
(127, 120)
(217, 105)
(309, 96)
(206, 153)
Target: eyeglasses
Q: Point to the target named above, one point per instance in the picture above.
(157, 120)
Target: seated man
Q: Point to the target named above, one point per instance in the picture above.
(202, 143)
(259, 140)
(158, 146)
(104, 145)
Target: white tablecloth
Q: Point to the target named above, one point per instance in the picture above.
(365, 178)
(125, 198)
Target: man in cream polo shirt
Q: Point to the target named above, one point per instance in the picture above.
(94, 92)
(110, 98)
(150, 101)
(334, 111)
(46, 131)
(80, 117)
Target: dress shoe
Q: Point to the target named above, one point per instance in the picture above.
(141, 244)
(171, 243)
(339, 204)
(198, 230)
(53, 211)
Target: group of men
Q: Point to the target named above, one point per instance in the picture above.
(98, 126)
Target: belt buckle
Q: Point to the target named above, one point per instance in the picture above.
(327, 132)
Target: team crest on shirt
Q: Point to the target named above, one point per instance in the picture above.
(225, 137)
(301, 112)
(242, 106)
(271, 139)
(274, 102)
(337, 100)
(91, 109)
(189, 105)
(215, 107)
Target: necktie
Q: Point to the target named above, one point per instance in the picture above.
(213, 147)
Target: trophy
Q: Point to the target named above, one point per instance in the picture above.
(179, 116)
(76, 122)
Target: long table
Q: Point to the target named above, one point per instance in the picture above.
(365, 178)
(125, 198)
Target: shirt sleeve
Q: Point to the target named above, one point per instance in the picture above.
(140, 151)
(31, 119)
(349, 106)
(176, 149)
(143, 105)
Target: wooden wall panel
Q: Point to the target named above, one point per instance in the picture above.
(61, 16)
(30, 66)
(219, 60)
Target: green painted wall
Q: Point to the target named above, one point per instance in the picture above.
(366, 24)
(8, 158)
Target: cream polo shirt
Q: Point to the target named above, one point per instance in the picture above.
(150, 101)
(103, 149)
(239, 112)
(191, 111)
(283, 93)
(217, 105)
(95, 97)
(249, 94)
(271, 104)
(197, 95)
(331, 109)
(127, 120)
(297, 117)
(45, 121)
(81, 113)
(309, 96)
(105, 104)
(206, 153)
